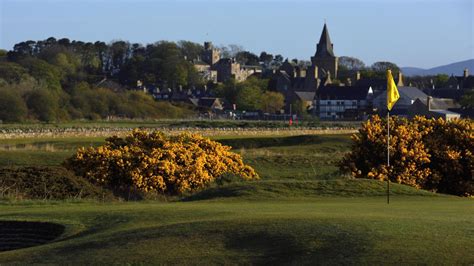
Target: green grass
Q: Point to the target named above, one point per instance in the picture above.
(274, 157)
(303, 189)
(301, 212)
(333, 230)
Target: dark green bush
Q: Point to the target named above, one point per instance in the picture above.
(38, 182)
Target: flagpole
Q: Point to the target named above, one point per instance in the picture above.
(388, 156)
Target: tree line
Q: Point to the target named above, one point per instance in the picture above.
(59, 79)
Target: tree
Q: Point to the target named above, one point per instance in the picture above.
(249, 97)
(272, 102)
(228, 90)
(441, 80)
(247, 58)
(234, 49)
(350, 63)
(467, 100)
(266, 58)
(43, 71)
(119, 52)
(43, 105)
(12, 72)
(277, 61)
(190, 50)
(382, 66)
(12, 106)
(230, 51)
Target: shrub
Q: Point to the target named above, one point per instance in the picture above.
(34, 182)
(425, 153)
(155, 162)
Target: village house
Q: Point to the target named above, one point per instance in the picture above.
(435, 108)
(455, 87)
(408, 95)
(343, 102)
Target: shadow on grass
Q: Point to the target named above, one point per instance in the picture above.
(261, 241)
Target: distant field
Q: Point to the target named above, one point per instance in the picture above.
(174, 123)
(212, 128)
(302, 211)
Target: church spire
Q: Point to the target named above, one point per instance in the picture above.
(324, 47)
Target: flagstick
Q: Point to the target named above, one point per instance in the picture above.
(388, 156)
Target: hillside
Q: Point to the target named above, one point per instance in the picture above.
(454, 68)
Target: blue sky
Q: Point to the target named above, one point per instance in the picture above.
(418, 33)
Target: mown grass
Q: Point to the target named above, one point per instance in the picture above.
(334, 230)
(302, 211)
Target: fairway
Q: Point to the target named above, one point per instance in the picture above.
(302, 211)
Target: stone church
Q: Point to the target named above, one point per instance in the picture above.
(298, 83)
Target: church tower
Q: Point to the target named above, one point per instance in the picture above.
(324, 57)
(210, 54)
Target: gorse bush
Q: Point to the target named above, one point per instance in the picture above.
(425, 153)
(155, 162)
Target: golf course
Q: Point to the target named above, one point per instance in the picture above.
(302, 210)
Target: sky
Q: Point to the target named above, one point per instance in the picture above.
(416, 33)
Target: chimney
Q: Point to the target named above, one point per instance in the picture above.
(358, 75)
(428, 102)
(466, 73)
(400, 79)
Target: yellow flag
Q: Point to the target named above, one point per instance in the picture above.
(392, 91)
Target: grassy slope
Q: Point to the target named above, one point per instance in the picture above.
(300, 212)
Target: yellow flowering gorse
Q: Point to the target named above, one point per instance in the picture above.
(157, 162)
(425, 153)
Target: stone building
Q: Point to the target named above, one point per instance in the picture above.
(216, 69)
(290, 78)
(210, 55)
(324, 58)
